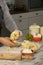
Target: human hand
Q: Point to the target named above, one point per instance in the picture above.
(6, 41)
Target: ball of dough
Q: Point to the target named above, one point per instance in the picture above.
(31, 45)
(15, 35)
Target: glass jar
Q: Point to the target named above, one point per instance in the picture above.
(34, 29)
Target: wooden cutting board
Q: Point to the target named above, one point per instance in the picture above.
(10, 53)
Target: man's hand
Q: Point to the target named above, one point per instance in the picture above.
(6, 41)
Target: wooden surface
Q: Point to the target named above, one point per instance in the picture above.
(38, 59)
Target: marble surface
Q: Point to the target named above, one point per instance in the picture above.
(38, 59)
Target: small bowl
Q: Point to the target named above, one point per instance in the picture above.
(37, 39)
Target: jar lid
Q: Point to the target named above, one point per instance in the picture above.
(34, 26)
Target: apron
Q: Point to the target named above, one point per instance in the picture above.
(1, 20)
(3, 30)
(0, 35)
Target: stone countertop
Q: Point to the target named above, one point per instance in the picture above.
(38, 59)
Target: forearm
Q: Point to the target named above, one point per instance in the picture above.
(6, 41)
(0, 39)
(3, 40)
(9, 22)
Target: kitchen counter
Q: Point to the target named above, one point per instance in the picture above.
(38, 59)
